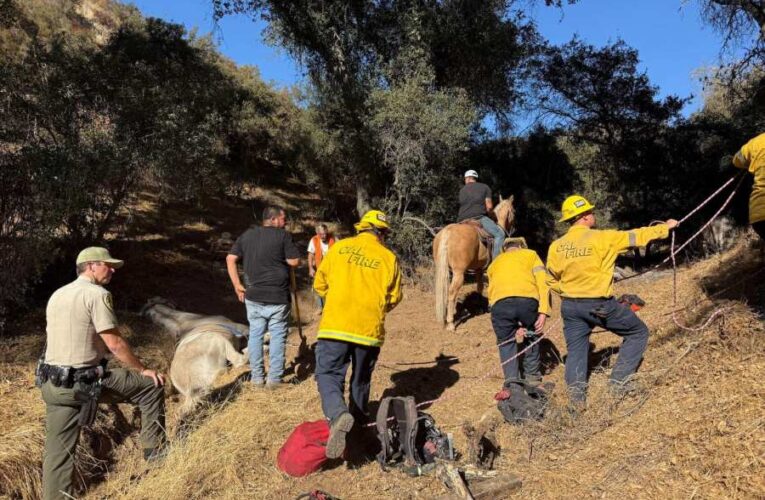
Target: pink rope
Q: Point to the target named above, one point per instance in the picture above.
(472, 355)
(672, 257)
(674, 252)
(719, 311)
(485, 376)
(709, 198)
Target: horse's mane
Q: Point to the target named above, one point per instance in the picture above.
(505, 214)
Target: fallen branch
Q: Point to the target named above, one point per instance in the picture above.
(415, 219)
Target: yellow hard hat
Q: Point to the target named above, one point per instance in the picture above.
(574, 205)
(373, 218)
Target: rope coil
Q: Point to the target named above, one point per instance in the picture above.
(672, 257)
(740, 177)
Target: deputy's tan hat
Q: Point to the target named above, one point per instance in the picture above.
(99, 254)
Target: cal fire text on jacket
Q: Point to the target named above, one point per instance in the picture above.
(570, 250)
(356, 256)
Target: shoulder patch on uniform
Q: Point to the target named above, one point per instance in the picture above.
(108, 301)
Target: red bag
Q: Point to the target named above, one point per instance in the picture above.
(304, 451)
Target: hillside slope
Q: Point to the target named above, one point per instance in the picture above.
(44, 20)
(696, 427)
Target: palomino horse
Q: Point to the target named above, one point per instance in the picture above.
(458, 247)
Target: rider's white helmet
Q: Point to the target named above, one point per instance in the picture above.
(471, 173)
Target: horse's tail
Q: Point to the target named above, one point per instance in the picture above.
(442, 277)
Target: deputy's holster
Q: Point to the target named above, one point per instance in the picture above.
(42, 372)
(88, 381)
(89, 399)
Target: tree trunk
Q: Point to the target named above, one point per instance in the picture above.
(362, 199)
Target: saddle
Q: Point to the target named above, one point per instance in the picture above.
(483, 236)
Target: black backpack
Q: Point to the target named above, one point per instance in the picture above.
(409, 438)
(525, 402)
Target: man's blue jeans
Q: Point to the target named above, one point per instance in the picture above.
(496, 232)
(272, 318)
(332, 360)
(319, 302)
(579, 320)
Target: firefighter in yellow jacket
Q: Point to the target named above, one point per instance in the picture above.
(360, 282)
(520, 303)
(751, 157)
(580, 268)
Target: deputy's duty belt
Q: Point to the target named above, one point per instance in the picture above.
(89, 389)
(67, 376)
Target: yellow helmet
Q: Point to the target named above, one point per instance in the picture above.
(574, 205)
(373, 218)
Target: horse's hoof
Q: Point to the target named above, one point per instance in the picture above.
(450, 327)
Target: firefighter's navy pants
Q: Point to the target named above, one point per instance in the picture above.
(507, 315)
(332, 360)
(579, 318)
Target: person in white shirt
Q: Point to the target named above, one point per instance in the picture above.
(317, 249)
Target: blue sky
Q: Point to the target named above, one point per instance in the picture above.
(671, 39)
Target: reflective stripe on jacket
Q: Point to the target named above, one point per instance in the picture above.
(360, 281)
(751, 157)
(580, 264)
(519, 273)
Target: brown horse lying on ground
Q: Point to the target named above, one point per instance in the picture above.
(459, 248)
(205, 346)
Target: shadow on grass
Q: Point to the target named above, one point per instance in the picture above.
(473, 305)
(598, 360)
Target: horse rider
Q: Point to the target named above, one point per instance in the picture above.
(475, 203)
(360, 281)
(81, 329)
(580, 268)
(751, 157)
(520, 304)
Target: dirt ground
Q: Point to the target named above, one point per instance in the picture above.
(694, 429)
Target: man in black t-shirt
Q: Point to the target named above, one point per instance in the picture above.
(475, 203)
(267, 253)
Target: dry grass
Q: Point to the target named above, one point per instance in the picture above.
(694, 429)
(21, 444)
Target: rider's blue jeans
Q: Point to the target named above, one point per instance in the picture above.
(496, 232)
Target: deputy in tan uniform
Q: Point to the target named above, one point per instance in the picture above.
(81, 330)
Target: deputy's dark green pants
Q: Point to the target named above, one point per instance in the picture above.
(62, 429)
